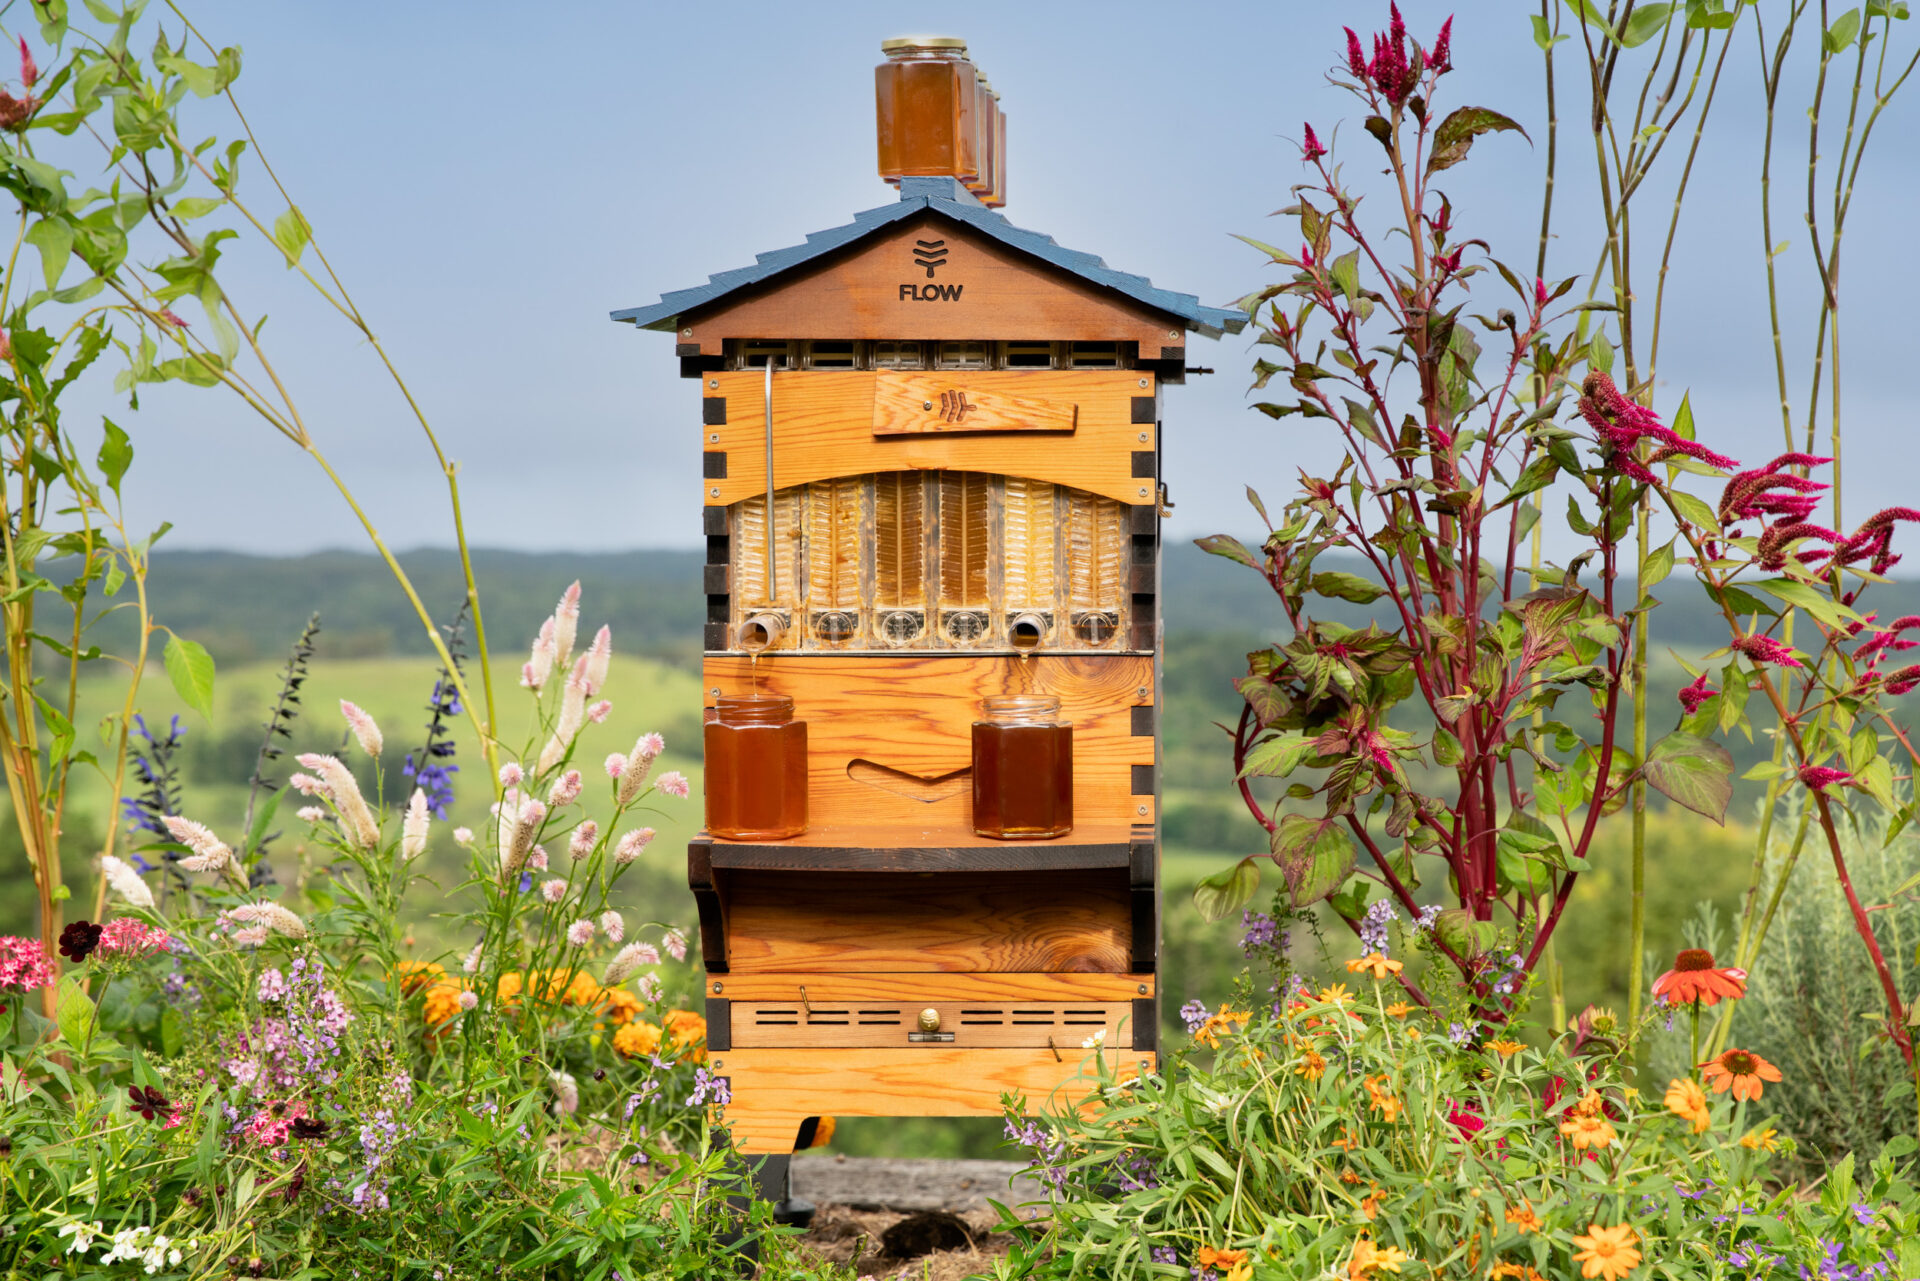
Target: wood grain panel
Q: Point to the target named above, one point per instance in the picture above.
(930, 988)
(1003, 294)
(823, 427)
(874, 849)
(1058, 1027)
(914, 713)
(774, 1090)
(950, 403)
(958, 921)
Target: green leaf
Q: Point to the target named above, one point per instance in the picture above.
(54, 240)
(1228, 546)
(1217, 896)
(1446, 748)
(1346, 273)
(1543, 37)
(1454, 138)
(1350, 587)
(1696, 511)
(1253, 496)
(193, 207)
(173, 1031)
(74, 1012)
(1694, 772)
(1458, 930)
(1600, 353)
(1659, 565)
(190, 668)
(291, 233)
(1314, 855)
(116, 454)
(1802, 596)
(1277, 757)
(1647, 20)
(1840, 35)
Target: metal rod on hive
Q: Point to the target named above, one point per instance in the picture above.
(762, 631)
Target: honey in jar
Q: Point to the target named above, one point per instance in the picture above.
(1022, 768)
(927, 108)
(756, 769)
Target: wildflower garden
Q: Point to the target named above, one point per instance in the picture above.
(417, 1007)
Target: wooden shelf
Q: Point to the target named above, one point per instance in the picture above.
(890, 848)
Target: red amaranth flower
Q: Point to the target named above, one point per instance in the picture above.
(1620, 425)
(1748, 497)
(1903, 681)
(1821, 777)
(1775, 539)
(1887, 640)
(1765, 649)
(1697, 693)
(1311, 150)
(29, 72)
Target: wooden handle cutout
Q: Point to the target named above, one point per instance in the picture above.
(912, 786)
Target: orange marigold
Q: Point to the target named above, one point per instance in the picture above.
(1686, 1100)
(441, 1004)
(1695, 978)
(415, 975)
(1742, 1071)
(512, 984)
(637, 1038)
(1607, 1253)
(1212, 1258)
(686, 1032)
(619, 1005)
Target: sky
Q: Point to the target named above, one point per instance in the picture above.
(491, 180)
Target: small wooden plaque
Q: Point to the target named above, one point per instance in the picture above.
(944, 403)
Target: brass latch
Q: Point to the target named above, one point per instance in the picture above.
(929, 1022)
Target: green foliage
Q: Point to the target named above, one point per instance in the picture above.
(1337, 1127)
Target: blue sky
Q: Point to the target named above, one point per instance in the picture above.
(491, 180)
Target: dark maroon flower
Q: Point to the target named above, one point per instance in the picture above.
(1695, 694)
(150, 1103)
(1311, 150)
(78, 940)
(310, 1128)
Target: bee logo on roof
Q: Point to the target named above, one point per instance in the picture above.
(930, 254)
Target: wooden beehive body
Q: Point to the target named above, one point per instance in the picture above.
(963, 434)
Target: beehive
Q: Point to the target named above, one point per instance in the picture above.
(931, 474)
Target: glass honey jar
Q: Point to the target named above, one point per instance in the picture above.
(1022, 768)
(756, 757)
(927, 97)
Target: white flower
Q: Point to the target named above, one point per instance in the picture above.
(675, 784)
(472, 964)
(554, 890)
(631, 845)
(1095, 1041)
(210, 854)
(511, 774)
(310, 813)
(600, 711)
(306, 784)
(537, 860)
(580, 933)
(599, 659)
(519, 837)
(463, 836)
(612, 926)
(342, 789)
(634, 766)
(676, 944)
(581, 843)
(565, 1092)
(363, 727)
(539, 665)
(251, 936)
(83, 1234)
(565, 789)
(627, 962)
(413, 832)
(615, 765)
(573, 714)
(125, 882)
(566, 624)
(270, 914)
(469, 999)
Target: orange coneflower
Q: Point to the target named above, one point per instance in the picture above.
(1742, 1070)
(1694, 978)
(1523, 1219)
(1686, 1100)
(1608, 1253)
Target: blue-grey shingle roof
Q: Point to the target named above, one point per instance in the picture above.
(951, 198)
